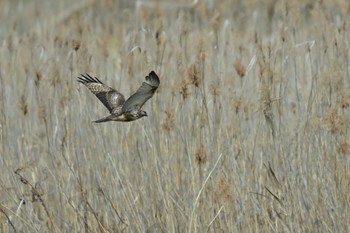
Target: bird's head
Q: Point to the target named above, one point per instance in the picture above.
(143, 114)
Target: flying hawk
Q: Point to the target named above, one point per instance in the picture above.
(114, 101)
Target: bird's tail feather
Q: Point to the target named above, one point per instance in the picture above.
(105, 119)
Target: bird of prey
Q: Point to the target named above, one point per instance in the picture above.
(114, 101)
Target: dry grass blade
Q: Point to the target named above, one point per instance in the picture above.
(270, 100)
(194, 207)
(8, 220)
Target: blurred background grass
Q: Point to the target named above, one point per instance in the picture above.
(248, 132)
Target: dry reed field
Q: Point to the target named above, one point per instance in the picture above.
(247, 132)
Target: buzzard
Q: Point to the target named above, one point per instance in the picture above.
(114, 101)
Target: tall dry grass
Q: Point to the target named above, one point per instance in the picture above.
(248, 132)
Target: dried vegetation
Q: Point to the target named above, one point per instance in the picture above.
(248, 132)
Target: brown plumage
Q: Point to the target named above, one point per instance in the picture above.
(114, 101)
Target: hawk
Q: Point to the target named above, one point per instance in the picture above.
(114, 101)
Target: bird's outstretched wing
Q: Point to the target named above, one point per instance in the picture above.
(112, 99)
(144, 93)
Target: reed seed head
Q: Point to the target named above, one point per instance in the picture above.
(201, 155)
(168, 123)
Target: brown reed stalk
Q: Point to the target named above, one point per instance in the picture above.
(8, 219)
(36, 195)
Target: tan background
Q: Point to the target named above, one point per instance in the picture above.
(248, 132)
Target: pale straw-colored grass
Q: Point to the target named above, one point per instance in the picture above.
(248, 131)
